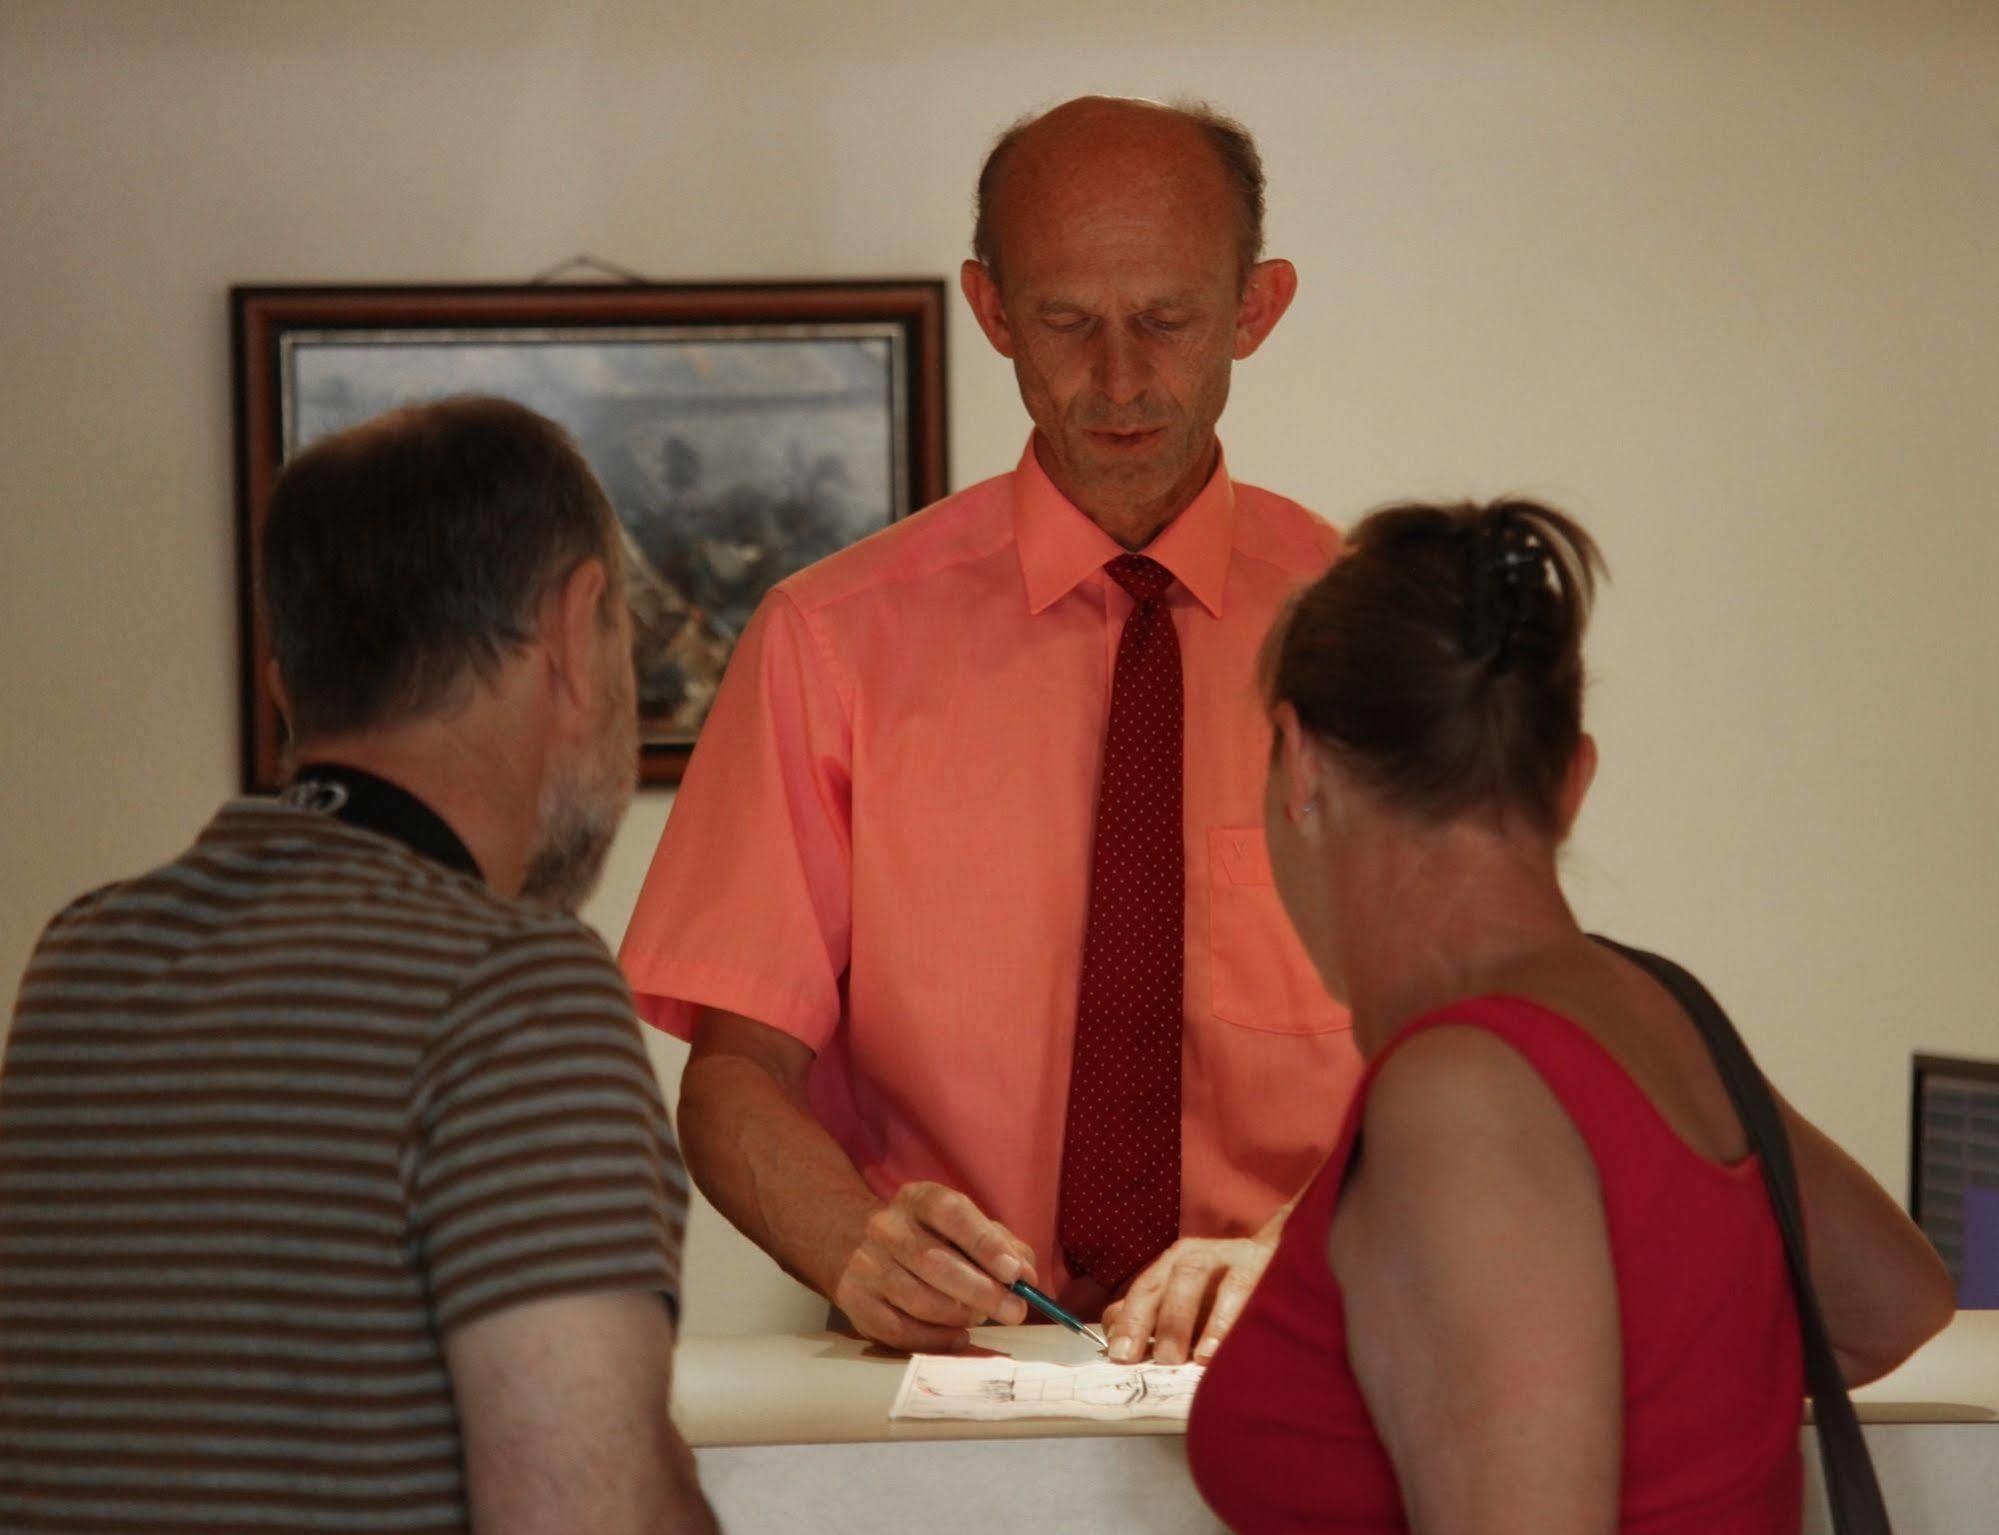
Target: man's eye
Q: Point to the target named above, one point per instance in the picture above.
(1066, 325)
(1166, 322)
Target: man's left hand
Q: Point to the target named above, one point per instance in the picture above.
(1198, 1286)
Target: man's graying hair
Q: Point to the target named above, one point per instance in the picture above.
(404, 559)
(1233, 147)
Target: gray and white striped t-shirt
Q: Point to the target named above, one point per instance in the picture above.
(274, 1119)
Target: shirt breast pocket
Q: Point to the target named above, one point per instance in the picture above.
(1259, 974)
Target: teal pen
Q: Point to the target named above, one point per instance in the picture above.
(1055, 1313)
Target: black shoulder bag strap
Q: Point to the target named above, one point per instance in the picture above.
(1852, 1493)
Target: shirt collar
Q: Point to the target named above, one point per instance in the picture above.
(1060, 547)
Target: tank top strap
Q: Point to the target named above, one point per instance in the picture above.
(1619, 1124)
(1522, 1024)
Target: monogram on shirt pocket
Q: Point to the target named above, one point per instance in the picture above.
(1258, 973)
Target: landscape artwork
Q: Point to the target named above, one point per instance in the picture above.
(731, 462)
(733, 454)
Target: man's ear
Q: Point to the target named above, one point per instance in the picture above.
(571, 625)
(1576, 781)
(1268, 293)
(982, 292)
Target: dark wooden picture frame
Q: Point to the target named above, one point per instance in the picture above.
(742, 430)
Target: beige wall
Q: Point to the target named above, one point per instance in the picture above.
(1719, 279)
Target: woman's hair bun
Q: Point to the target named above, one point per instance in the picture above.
(1441, 655)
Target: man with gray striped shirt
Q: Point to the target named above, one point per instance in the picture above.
(336, 1192)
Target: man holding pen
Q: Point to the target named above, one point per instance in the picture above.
(964, 905)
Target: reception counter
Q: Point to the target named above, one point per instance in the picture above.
(793, 1434)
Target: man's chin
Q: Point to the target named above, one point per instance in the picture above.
(565, 870)
(1133, 480)
(559, 889)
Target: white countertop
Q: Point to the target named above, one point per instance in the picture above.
(1954, 1378)
(827, 1388)
(824, 1388)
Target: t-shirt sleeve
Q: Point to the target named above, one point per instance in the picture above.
(747, 906)
(540, 1160)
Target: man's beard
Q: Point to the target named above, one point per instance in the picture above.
(580, 814)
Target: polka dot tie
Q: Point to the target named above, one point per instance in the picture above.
(1120, 1194)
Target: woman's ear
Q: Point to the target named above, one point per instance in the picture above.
(1300, 773)
(1576, 781)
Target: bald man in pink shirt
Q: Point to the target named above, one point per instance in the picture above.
(868, 911)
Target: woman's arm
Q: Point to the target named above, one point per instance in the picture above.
(1482, 1310)
(1882, 1287)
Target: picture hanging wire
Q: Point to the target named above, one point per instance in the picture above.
(587, 263)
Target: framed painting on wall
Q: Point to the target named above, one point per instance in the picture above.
(741, 430)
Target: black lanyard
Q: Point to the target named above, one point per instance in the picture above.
(374, 804)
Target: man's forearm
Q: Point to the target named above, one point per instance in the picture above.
(685, 1509)
(768, 1165)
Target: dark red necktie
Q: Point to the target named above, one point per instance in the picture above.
(1120, 1197)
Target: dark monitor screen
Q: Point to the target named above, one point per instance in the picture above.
(1954, 1170)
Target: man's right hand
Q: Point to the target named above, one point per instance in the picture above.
(914, 1273)
(928, 1266)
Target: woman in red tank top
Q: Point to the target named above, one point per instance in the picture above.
(1554, 1298)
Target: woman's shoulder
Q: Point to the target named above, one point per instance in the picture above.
(1475, 1062)
(1474, 1210)
(1457, 1102)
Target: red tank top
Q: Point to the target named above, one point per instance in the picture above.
(1280, 1439)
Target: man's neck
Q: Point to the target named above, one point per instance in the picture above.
(362, 799)
(1134, 524)
(473, 791)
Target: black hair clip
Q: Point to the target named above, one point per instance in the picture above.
(1505, 571)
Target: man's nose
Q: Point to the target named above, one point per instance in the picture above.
(1121, 366)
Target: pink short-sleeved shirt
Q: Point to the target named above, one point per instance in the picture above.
(882, 847)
